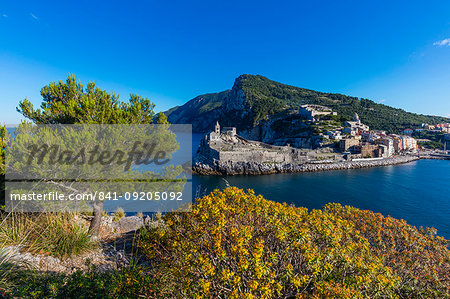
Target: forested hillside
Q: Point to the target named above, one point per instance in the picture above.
(261, 97)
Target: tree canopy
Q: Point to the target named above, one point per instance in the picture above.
(70, 102)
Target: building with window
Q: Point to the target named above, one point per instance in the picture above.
(356, 125)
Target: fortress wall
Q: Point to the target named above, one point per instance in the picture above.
(250, 151)
(208, 151)
(253, 156)
(261, 156)
(262, 144)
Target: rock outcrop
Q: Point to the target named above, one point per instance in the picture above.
(217, 167)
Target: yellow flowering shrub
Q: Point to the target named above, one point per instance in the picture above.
(417, 256)
(237, 244)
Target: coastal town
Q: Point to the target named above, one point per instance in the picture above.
(351, 144)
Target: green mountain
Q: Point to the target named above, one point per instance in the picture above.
(197, 110)
(255, 100)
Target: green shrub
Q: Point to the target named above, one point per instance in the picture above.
(6, 267)
(132, 282)
(9, 267)
(237, 244)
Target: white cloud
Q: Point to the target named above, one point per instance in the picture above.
(382, 101)
(34, 16)
(4, 15)
(442, 43)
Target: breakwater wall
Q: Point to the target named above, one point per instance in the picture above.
(217, 167)
(436, 157)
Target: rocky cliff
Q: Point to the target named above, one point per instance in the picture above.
(217, 167)
(260, 109)
(237, 108)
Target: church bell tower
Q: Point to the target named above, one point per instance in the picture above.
(217, 130)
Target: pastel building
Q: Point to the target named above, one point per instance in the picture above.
(408, 131)
(409, 143)
(388, 144)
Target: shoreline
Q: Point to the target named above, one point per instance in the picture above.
(253, 168)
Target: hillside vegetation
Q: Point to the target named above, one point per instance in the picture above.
(237, 244)
(198, 111)
(264, 97)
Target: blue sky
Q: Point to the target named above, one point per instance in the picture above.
(171, 51)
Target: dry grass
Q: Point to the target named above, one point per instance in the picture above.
(118, 214)
(56, 234)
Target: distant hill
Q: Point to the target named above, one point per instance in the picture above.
(255, 99)
(197, 110)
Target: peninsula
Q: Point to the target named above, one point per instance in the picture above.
(224, 152)
(270, 127)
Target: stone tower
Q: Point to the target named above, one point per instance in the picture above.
(217, 130)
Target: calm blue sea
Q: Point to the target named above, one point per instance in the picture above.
(418, 192)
